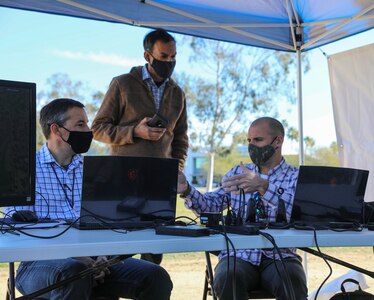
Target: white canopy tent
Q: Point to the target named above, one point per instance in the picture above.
(285, 25)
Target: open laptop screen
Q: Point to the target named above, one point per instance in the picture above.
(129, 189)
(329, 194)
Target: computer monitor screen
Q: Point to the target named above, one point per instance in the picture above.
(17, 147)
(329, 194)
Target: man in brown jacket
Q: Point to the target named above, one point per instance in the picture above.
(134, 98)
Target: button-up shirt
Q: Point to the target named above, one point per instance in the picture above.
(282, 185)
(58, 188)
(157, 92)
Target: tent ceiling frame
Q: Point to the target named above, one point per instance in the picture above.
(290, 20)
(335, 21)
(97, 11)
(204, 20)
(293, 22)
(294, 13)
(349, 20)
(215, 25)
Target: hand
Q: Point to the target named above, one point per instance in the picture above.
(143, 131)
(248, 181)
(86, 260)
(182, 182)
(90, 262)
(99, 277)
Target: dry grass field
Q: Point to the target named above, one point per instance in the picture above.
(187, 270)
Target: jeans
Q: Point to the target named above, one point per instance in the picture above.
(265, 277)
(131, 278)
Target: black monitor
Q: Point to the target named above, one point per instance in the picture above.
(329, 194)
(17, 147)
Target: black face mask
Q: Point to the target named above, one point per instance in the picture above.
(164, 69)
(80, 141)
(260, 155)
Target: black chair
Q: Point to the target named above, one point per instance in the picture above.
(208, 284)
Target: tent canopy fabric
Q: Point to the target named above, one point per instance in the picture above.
(286, 25)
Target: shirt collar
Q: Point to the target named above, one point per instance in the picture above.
(46, 157)
(147, 77)
(276, 170)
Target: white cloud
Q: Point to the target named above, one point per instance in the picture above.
(101, 58)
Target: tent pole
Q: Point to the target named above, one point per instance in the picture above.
(301, 135)
(300, 108)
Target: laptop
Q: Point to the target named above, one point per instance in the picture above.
(329, 197)
(125, 192)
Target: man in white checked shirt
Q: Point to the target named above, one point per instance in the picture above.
(59, 168)
(265, 181)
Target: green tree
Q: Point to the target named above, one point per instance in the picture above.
(239, 83)
(326, 156)
(60, 85)
(321, 156)
(309, 143)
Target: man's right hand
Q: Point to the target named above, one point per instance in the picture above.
(143, 131)
(182, 183)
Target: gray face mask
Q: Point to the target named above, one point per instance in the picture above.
(260, 155)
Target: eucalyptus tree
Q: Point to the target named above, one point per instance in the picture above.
(227, 86)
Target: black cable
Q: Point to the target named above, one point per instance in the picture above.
(286, 278)
(46, 202)
(327, 263)
(192, 221)
(227, 241)
(239, 220)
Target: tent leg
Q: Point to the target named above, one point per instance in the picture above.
(300, 108)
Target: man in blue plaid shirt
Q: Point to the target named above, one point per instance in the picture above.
(268, 181)
(59, 169)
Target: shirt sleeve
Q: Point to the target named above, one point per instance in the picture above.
(215, 201)
(180, 140)
(105, 126)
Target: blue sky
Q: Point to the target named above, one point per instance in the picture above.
(33, 46)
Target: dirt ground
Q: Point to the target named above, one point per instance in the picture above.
(187, 270)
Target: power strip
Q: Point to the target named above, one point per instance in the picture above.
(239, 229)
(193, 231)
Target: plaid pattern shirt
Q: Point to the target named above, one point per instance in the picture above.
(283, 176)
(58, 188)
(157, 92)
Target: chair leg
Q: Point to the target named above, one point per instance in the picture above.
(7, 296)
(206, 286)
(209, 277)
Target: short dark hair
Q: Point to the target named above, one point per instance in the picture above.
(156, 35)
(276, 127)
(56, 112)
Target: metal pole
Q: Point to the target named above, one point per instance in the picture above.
(11, 283)
(300, 108)
(301, 133)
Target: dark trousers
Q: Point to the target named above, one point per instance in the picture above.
(132, 278)
(265, 277)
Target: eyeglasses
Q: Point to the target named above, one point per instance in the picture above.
(259, 205)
